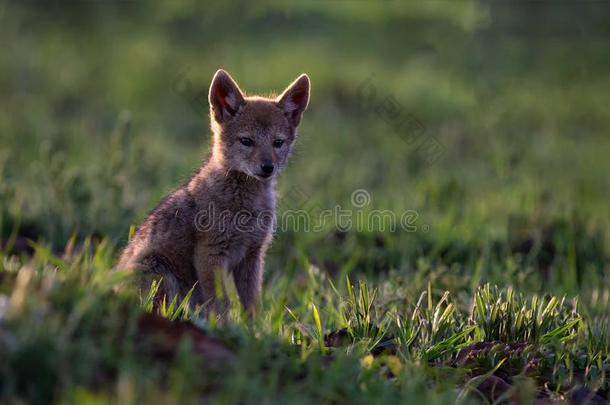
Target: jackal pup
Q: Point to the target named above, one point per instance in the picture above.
(222, 219)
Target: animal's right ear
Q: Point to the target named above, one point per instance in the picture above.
(225, 97)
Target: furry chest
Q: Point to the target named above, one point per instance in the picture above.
(234, 234)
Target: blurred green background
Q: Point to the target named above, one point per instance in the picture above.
(103, 111)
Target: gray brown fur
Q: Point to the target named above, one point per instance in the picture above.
(177, 243)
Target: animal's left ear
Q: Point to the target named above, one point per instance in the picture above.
(294, 99)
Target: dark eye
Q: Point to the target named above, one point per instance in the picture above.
(246, 141)
(278, 143)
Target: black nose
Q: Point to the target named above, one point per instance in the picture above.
(267, 168)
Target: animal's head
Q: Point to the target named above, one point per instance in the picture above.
(255, 135)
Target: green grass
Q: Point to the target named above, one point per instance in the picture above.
(67, 335)
(497, 290)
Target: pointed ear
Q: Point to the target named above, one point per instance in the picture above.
(294, 99)
(225, 97)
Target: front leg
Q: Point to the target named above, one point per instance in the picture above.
(248, 276)
(211, 266)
